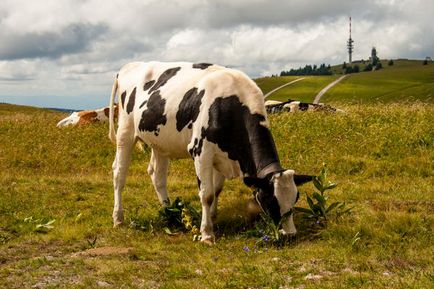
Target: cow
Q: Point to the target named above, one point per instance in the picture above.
(212, 114)
(275, 106)
(87, 116)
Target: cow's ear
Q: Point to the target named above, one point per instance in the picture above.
(252, 181)
(301, 179)
(256, 182)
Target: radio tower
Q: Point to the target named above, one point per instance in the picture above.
(350, 46)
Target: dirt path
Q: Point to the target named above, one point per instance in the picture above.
(282, 86)
(325, 89)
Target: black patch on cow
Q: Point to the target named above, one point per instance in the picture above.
(196, 150)
(303, 106)
(189, 108)
(131, 101)
(164, 78)
(154, 115)
(148, 85)
(123, 95)
(201, 65)
(145, 102)
(239, 133)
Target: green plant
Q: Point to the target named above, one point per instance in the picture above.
(180, 216)
(319, 210)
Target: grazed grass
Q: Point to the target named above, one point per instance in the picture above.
(382, 159)
(303, 90)
(406, 80)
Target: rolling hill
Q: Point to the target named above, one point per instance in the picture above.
(406, 80)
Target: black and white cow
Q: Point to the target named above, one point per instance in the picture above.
(210, 113)
(275, 106)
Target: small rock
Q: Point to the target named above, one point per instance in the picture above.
(198, 272)
(312, 277)
(39, 285)
(275, 259)
(102, 284)
(386, 274)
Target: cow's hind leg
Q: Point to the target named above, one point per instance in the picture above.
(157, 169)
(218, 181)
(125, 143)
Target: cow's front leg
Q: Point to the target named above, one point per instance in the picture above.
(157, 169)
(206, 194)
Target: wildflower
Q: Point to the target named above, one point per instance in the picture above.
(266, 238)
(246, 249)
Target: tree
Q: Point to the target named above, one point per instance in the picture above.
(390, 63)
(356, 69)
(374, 57)
(368, 67)
(425, 62)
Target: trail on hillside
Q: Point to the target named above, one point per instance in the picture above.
(282, 86)
(325, 89)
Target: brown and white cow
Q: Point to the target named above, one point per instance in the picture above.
(212, 114)
(87, 116)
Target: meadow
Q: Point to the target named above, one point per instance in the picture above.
(406, 80)
(56, 201)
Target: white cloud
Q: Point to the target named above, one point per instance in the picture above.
(67, 47)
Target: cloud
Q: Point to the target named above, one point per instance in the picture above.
(72, 39)
(18, 70)
(66, 47)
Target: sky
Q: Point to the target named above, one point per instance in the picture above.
(66, 53)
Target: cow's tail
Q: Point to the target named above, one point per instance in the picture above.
(112, 133)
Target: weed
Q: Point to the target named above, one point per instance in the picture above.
(319, 211)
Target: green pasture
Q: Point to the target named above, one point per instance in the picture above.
(406, 80)
(56, 200)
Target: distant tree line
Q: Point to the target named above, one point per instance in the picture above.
(309, 70)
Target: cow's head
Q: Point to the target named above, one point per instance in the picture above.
(276, 194)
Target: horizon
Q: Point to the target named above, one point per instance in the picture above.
(86, 102)
(52, 57)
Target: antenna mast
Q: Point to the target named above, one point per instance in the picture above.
(350, 46)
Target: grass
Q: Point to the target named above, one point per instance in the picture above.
(304, 90)
(382, 159)
(406, 80)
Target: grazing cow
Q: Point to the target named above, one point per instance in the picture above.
(87, 116)
(212, 114)
(275, 106)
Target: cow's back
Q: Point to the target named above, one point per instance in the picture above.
(167, 103)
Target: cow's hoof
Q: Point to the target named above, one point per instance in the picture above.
(118, 224)
(209, 242)
(291, 233)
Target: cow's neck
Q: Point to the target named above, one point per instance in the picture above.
(243, 136)
(263, 158)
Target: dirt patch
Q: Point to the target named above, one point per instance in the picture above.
(103, 251)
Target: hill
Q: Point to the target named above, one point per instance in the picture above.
(383, 169)
(406, 80)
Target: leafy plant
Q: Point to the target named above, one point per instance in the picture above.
(180, 216)
(319, 210)
(270, 233)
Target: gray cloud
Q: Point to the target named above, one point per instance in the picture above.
(57, 52)
(69, 40)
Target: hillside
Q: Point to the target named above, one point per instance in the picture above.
(383, 169)
(406, 80)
